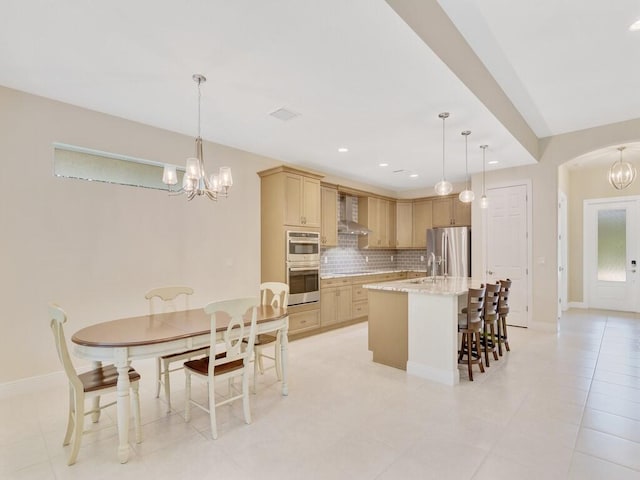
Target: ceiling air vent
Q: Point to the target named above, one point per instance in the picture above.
(284, 114)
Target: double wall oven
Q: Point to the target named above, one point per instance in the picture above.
(303, 267)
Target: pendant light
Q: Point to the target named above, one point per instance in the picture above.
(196, 182)
(484, 201)
(443, 187)
(621, 174)
(466, 196)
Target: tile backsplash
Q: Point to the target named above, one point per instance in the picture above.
(348, 258)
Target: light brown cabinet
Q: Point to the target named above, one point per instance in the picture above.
(377, 214)
(329, 217)
(302, 200)
(335, 302)
(404, 224)
(304, 321)
(449, 211)
(422, 220)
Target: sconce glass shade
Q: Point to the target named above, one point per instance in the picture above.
(621, 174)
(169, 175)
(466, 196)
(484, 202)
(443, 187)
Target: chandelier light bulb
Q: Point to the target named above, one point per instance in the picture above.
(466, 196)
(484, 202)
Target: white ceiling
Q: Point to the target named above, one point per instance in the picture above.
(356, 73)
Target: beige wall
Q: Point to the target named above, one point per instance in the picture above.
(95, 248)
(586, 183)
(544, 197)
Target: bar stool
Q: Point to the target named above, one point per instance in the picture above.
(470, 326)
(503, 311)
(490, 322)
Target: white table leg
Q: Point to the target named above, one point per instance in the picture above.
(95, 402)
(122, 364)
(284, 349)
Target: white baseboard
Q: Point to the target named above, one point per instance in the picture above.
(577, 305)
(430, 373)
(27, 386)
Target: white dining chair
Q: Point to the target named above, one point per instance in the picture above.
(233, 362)
(170, 299)
(90, 385)
(277, 295)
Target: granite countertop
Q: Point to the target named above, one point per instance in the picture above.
(325, 276)
(425, 285)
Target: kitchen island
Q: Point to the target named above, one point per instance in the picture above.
(413, 325)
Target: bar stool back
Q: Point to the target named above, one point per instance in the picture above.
(490, 322)
(503, 311)
(470, 326)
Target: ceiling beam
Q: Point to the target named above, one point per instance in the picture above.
(429, 21)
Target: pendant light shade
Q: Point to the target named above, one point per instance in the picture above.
(484, 201)
(443, 187)
(621, 174)
(466, 196)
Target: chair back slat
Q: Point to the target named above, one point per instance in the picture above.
(234, 312)
(170, 298)
(475, 304)
(275, 294)
(503, 301)
(492, 297)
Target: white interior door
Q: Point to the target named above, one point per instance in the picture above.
(610, 253)
(507, 246)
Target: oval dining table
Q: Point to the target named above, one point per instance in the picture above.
(148, 336)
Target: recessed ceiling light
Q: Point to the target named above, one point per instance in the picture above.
(635, 26)
(343, 149)
(413, 175)
(493, 162)
(383, 164)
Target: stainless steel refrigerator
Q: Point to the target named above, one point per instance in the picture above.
(451, 247)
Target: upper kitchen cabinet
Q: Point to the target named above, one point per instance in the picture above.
(329, 217)
(379, 216)
(292, 197)
(422, 220)
(449, 211)
(404, 224)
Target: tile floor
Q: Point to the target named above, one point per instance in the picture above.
(557, 406)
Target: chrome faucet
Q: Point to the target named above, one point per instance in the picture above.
(432, 262)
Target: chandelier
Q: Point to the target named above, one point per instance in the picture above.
(621, 174)
(466, 196)
(195, 181)
(443, 187)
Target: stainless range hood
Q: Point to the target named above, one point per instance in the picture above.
(347, 224)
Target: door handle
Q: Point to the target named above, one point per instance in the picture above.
(489, 272)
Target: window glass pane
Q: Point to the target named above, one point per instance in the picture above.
(77, 162)
(612, 245)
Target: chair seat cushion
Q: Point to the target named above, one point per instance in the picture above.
(105, 377)
(263, 339)
(201, 365)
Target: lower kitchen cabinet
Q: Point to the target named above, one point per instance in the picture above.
(335, 305)
(304, 321)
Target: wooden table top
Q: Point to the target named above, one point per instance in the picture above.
(160, 327)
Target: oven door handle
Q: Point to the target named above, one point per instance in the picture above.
(302, 269)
